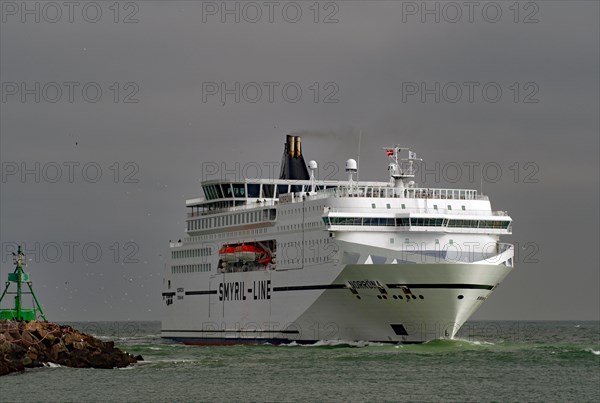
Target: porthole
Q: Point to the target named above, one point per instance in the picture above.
(358, 297)
(379, 296)
(414, 296)
(420, 296)
(400, 297)
(461, 296)
(394, 296)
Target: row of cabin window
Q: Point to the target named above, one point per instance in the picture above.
(182, 254)
(190, 268)
(316, 259)
(283, 245)
(225, 235)
(294, 211)
(416, 221)
(403, 206)
(232, 219)
(251, 190)
(437, 241)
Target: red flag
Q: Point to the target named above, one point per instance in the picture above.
(390, 152)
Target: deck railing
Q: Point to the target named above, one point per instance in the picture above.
(408, 193)
(248, 206)
(428, 210)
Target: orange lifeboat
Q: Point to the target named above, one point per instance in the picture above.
(248, 253)
(227, 253)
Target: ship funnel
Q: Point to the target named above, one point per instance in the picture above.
(292, 163)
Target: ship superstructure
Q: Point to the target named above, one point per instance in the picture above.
(300, 259)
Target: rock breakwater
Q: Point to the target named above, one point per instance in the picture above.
(32, 344)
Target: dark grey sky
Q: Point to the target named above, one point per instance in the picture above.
(371, 62)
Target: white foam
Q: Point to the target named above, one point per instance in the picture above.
(595, 352)
(483, 343)
(52, 365)
(333, 343)
(292, 344)
(474, 342)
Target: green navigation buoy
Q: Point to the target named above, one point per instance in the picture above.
(20, 277)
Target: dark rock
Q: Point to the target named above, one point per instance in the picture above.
(30, 344)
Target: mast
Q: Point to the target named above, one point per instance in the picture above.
(401, 177)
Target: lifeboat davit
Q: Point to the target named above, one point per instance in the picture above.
(265, 259)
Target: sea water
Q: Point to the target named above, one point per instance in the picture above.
(488, 361)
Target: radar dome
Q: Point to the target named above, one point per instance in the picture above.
(312, 164)
(351, 165)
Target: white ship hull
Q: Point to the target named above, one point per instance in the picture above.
(408, 303)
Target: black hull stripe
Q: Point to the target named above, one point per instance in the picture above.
(444, 286)
(343, 286)
(200, 292)
(310, 287)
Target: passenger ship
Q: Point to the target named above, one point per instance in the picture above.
(298, 259)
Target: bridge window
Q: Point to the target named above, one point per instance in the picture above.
(239, 190)
(426, 222)
(219, 192)
(282, 189)
(227, 191)
(494, 224)
(268, 191)
(462, 223)
(403, 222)
(208, 192)
(253, 189)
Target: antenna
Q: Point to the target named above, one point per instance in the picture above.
(351, 169)
(481, 180)
(358, 157)
(312, 165)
